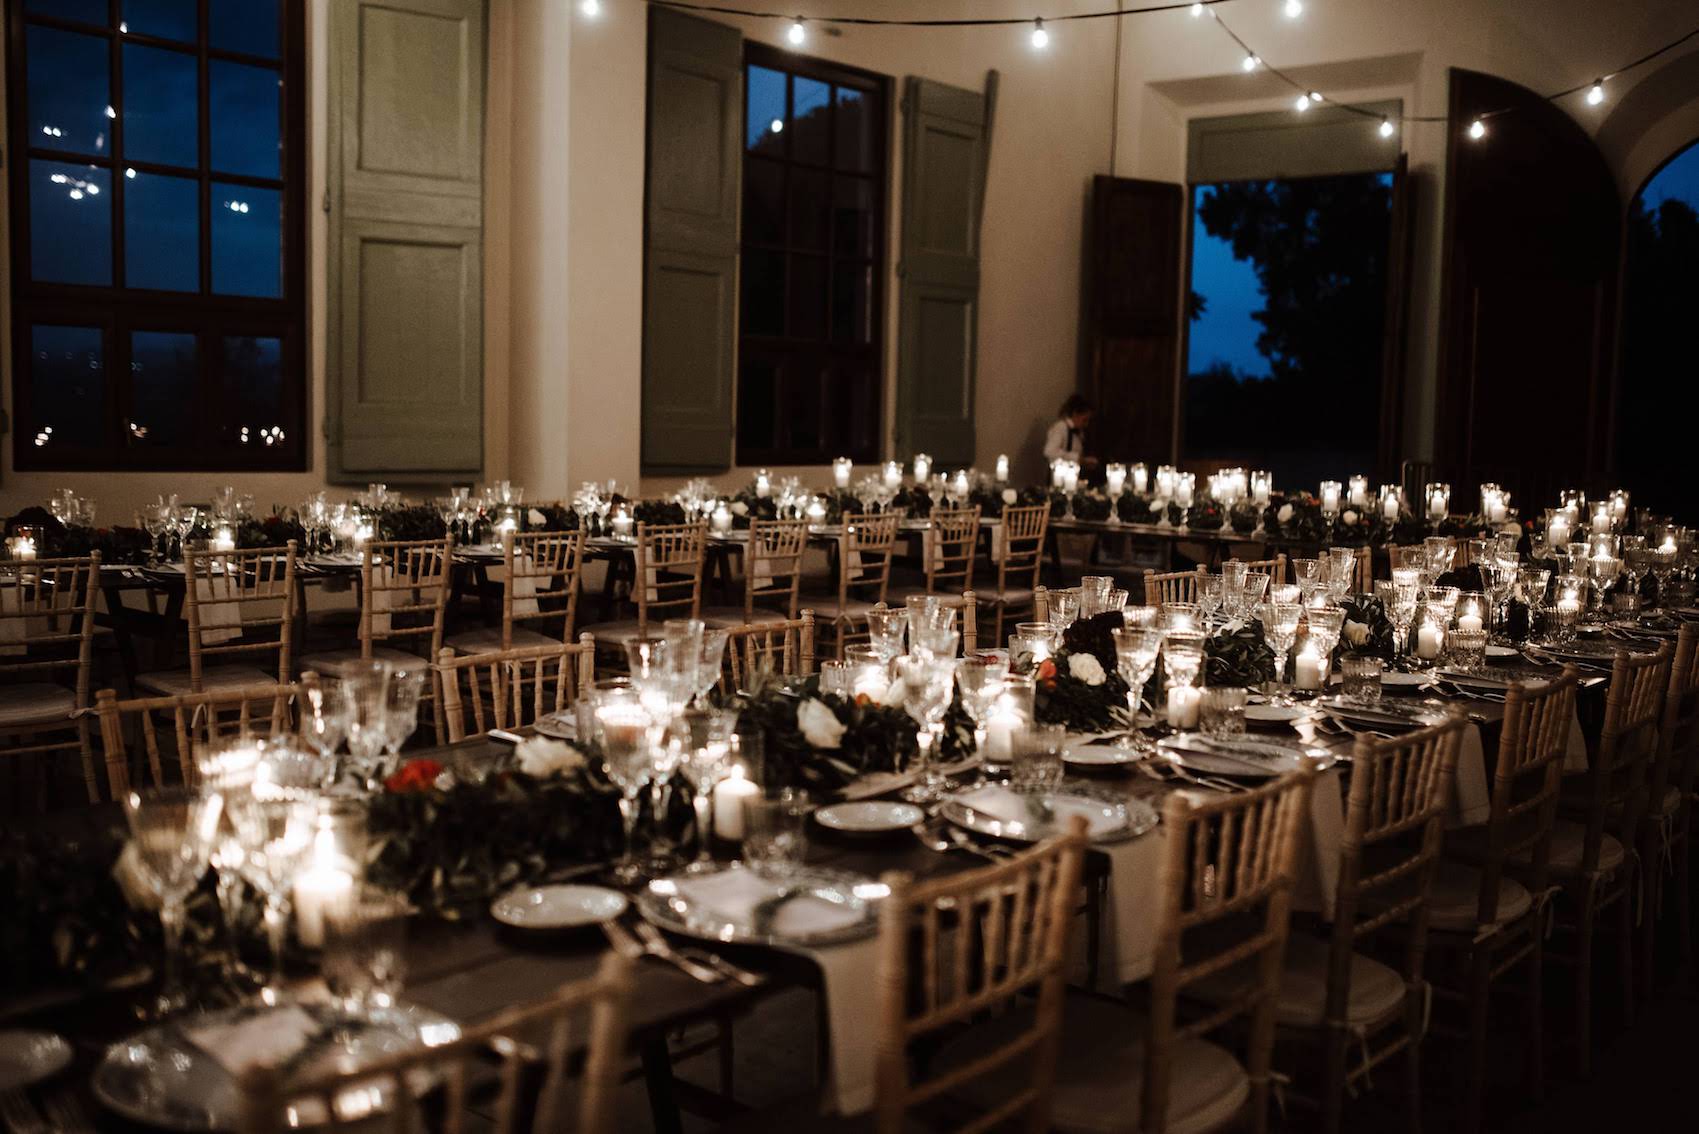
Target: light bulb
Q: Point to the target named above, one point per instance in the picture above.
(1477, 129)
(1294, 9)
(795, 34)
(1197, 10)
(1386, 128)
(1315, 96)
(591, 8)
(1040, 37)
(1303, 103)
(1596, 93)
(1251, 63)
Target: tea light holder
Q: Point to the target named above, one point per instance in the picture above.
(1262, 487)
(23, 544)
(223, 538)
(622, 523)
(1141, 478)
(1438, 499)
(1331, 491)
(892, 475)
(1359, 497)
(842, 469)
(1002, 468)
(1471, 611)
(922, 468)
(763, 484)
(1391, 502)
(721, 519)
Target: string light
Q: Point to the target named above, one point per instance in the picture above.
(1197, 10)
(590, 8)
(1303, 103)
(1294, 9)
(1040, 37)
(1251, 63)
(1596, 92)
(796, 35)
(1477, 129)
(1387, 130)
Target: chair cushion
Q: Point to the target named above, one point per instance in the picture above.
(828, 608)
(731, 617)
(616, 634)
(1100, 1072)
(901, 595)
(176, 682)
(487, 640)
(335, 662)
(1014, 596)
(1376, 990)
(1455, 898)
(1568, 841)
(37, 702)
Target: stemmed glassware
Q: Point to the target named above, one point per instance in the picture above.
(322, 712)
(1342, 571)
(927, 688)
(706, 764)
(365, 690)
(1256, 582)
(183, 518)
(885, 631)
(1233, 574)
(1531, 582)
(1306, 573)
(172, 830)
(1182, 658)
(1064, 608)
(275, 823)
(1209, 597)
(980, 681)
(1398, 596)
(1136, 650)
(1326, 624)
(626, 732)
(401, 715)
(712, 661)
(1280, 630)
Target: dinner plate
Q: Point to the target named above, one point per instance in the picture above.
(769, 904)
(29, 1057)
(1251, 759)
(1383, 716)
(1273, 714)
(163, 1078)
(867, 817)
(1084, 754)
(558, 907)
(1466, 680)
(561, 726)
(1503, 653)
(1397, 680)
(1029, 814)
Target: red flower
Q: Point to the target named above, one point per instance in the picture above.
(862, 700)
(415, 775)
(1046, 670)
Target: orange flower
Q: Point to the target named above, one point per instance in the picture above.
(863, 700)
(1046, 670)
(415, 775)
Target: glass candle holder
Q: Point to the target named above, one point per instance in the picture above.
(1468, 649)
(1221, 711)
(1361, 676)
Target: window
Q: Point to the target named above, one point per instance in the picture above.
(1655, 404)
(1286, 310)
(813, 243)
(157, 234)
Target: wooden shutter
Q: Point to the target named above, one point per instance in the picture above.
(1132, 317)
(405, 337)
(690, 273)
(944, 161)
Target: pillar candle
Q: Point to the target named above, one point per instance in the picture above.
(1309, 668)
(841, 470)
(922, 468)
(1002, 468)
(318, 890)
(1183, 706)
(1469, 621)
(729, 798)
(1428, 641)
(721, 519)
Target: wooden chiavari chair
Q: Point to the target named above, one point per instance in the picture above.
(772, 573)
(1482, 920)
(539, 575)
(668, 584)
(239, 604)
(47, 611)
(1670, 826)
(782, 649)
(192, 721)
(864, 575)
(949, 548)
(1018, 555)
(510, 689)
(1274, 568)
(1174, 586)
(537, 1037)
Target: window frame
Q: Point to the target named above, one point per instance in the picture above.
(797, 355)
(117, 310)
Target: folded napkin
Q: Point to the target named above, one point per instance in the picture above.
(13, 631)
(218, 602)
(932, 548)
(264, 1039)
(383, 600)
(524, 587)
(999, 543)
(736, 894)
(1470, 802)
(1011, 807)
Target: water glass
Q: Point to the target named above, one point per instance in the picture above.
(1031, 643)
(1222, 711)
(834, 678)
(1094, 594)
(1362, 677)
(885, 631)
(1182, 656)
(1063, 608)
(1038, 756)
(172, 830)
(364, 963)
(1182, 616)
(775, 827)
(1468, 649)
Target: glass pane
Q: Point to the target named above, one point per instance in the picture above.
(811, 210)
(253, 392)
(247, 240)
(757, 401)
(808, 297)
(162, 388)
(70, 90)
(763, 202)
(852, 303)
(162, 232)
(245, 125)
(161, 106)
(248, 26)
(811, 116)
(854, 130)
(763, 293)
(167, 19)
(67, 387)
(70, 223)
(88, 11)
(852, 220)
(765, 112)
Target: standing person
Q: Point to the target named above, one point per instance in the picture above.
(1066, 437)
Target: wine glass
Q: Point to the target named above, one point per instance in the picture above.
(927, 687)
(183, 521)
(1280, 630)
(1307, 574)
(1233, 574)
(323, 714)
(625, 727)
(980, 681)
(712, 662)
(275, 824)
(1326, 624)
(172, 831)
(1064, 608)
(1136, 650)
(401, 710)
(704, 766)
(365, 689)
(885, 631)
(1256, 582)
(1209, 597)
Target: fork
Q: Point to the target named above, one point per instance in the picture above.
(20, 1114)
(651, 936)
(656, 946)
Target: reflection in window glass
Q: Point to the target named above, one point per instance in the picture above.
(811, 120)
(247, 240)
(167, 19)
(244, 113)
(162, 232)
(68, 90)
(161, 106)
(247, 26)
(253, 392)
(854, 131)
(87, 11)
(765, 115)
(162, 388)
(763, 293)
(67, 377)
(852, 223)
(70, 223)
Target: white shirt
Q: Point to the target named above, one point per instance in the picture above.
(1063, 440)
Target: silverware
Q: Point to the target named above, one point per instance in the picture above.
(942, 838)
(621, 939)
(656, 946)
(20, 1114)
(707, 957)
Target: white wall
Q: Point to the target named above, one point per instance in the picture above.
(564, 190)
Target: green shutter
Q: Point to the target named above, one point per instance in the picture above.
(946, 139)
(404, 342)
(690, 268)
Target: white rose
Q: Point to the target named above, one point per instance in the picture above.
(739, 508)
(541, 757)
(1348, 518)
(819, 724)
(1285, 513)
(894, 694)
(1086, 668)
(1356, 633)
(536, 517)
(127, 872)
(1010, 496)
